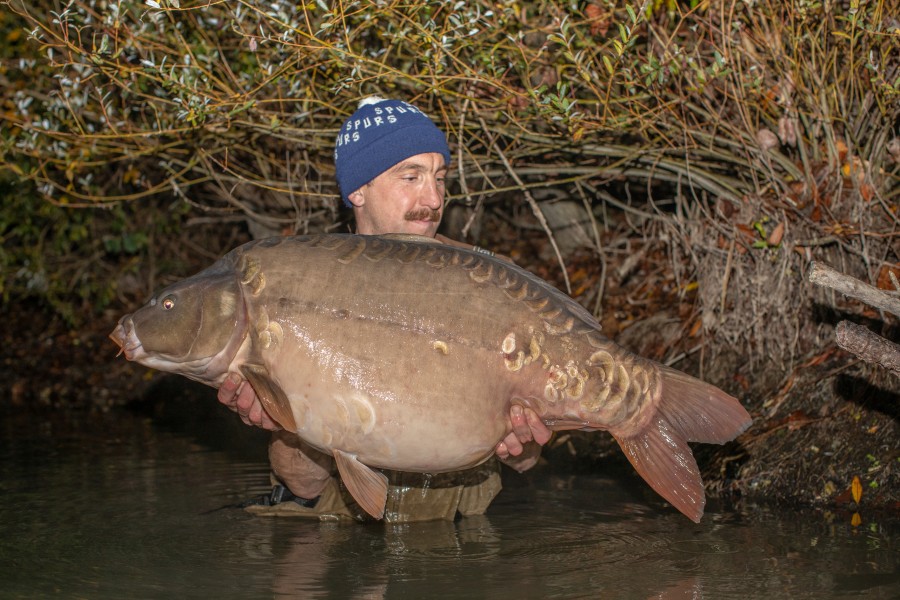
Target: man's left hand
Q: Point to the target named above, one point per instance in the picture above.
(239, 396)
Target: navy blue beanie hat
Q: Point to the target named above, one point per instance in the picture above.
(380, 134)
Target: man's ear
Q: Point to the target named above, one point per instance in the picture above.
(357, 199)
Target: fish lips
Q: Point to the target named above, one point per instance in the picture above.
(125, 337)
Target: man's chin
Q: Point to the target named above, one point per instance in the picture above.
(426, 228)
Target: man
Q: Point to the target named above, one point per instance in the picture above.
(391, 162)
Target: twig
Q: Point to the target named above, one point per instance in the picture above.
(598, 248)
(727, 275)
(535, 208)
(469, 201)
(824, 275)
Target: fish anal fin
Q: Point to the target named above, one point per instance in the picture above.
(663, 458)
(273, 399)
(367, 486)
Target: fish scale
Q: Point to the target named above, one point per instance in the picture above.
(399, 352)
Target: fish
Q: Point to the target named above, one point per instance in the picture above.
(400, 352)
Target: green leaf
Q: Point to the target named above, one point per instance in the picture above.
(608, 63)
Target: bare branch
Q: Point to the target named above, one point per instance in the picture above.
(823, 275)
(868, 346)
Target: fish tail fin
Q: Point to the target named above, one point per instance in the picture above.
(689, 410)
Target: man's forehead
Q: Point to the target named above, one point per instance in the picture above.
(421, 162)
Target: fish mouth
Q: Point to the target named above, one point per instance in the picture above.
(125, 338)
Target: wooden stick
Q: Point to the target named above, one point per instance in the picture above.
(868, 346)
(821, 274)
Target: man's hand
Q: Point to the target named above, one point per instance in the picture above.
(304, 470)
(238, 395)
(517, 449)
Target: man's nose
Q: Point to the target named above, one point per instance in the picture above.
(433, 195)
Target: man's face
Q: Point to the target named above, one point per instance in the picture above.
(407, 198)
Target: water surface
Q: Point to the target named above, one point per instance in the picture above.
(125, 506)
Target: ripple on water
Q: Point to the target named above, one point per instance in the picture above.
(580, 527)
(129, 511)
(707, 547)
(83, 513)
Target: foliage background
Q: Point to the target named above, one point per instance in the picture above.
(742, 138)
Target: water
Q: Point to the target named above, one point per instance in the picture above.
(124, 506)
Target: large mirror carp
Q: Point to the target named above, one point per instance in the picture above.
(402, 353)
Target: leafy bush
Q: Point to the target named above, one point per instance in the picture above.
(751, 119)
(79, 261)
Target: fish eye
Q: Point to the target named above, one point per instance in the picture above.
(168, 303)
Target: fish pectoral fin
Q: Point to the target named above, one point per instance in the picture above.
(273, 399)
(367, 486)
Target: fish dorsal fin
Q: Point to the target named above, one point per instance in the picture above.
(410, 237)
(270, 394)
(367, 486)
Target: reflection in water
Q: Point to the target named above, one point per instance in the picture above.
(120, 507)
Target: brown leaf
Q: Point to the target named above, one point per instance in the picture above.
(797, 420)
(816, 214)
(856, 489)
(841, 147)
(884, 277)
(766, 139)
(725, 207)
(518, 101)
(695, 328)
(777, 234)
(867, 192)
(598, 19)
(721, 242)
(748, 231)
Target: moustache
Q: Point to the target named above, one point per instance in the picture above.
(423, 214)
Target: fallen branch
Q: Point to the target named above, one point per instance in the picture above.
(854, 338)
(825, 276)
(868, 346)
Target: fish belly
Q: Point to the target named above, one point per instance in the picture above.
(394, 398)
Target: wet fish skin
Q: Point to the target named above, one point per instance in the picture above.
(399, 352)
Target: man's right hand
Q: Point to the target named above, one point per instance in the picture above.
(522, 447)
(239, 396)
